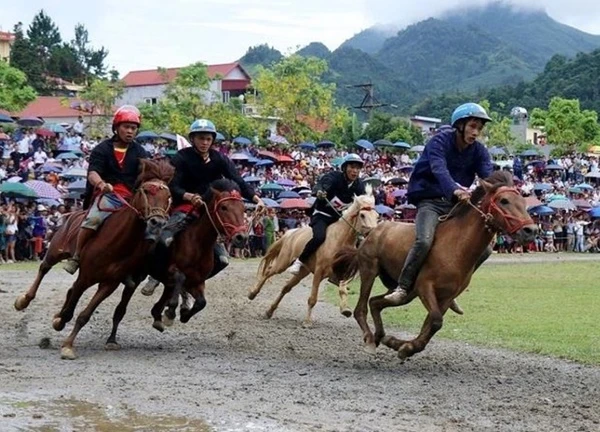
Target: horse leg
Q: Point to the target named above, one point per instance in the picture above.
(253, 292)
(171, 310)
(433, 323)
(197, 292)
(71, 299)
(159, 306)
(23, 300)
(286, 289)
(120, 310)
(367, 278)
(378, 304)
(343, 293)
(313, 297)
(104, 290)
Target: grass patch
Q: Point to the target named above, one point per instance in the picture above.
(20, 266)
(549, 309)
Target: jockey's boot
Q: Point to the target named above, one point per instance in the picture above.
(333, 280)
(221, 259)
(150, 286)
(296, 267)
(84, 235)
(177, 222)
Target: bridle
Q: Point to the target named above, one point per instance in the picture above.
(354, 217)
(148, 212)
(228, 229)
(490, 211)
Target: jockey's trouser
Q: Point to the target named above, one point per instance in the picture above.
(319, 224)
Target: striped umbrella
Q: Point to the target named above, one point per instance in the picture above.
(43, 189)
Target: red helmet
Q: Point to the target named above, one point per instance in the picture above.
(127, 114)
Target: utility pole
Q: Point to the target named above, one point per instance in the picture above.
(369, 102)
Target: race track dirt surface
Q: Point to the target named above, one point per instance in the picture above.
(230, 370)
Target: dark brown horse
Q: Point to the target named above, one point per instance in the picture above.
(117, 251)
(458, 244)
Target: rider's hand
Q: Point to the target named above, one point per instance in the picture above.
(462, 195)
(321, 194)
(106, 187)
(197, 200)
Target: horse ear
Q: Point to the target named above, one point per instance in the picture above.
(369, 189)
(487, 186)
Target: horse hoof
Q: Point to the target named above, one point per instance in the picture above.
(57, 324)
(67, 353)
(307, 324)
(370, 349)
(158, 325)
(347, 312)
(252, 295)
(405, 351)
(21, 302)
(168, 321)
(112, 346)
(267, 315)
(386, 340)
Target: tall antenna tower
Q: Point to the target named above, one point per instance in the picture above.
(369, 102)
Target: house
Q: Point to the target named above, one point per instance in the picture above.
(147, 86)
(428, 125)
(55, 109)
(6, 41)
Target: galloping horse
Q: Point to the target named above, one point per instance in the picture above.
(359, 218)
(117, 250)
(191, 254)
(458, 244)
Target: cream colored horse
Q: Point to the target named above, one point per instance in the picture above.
(359, 218)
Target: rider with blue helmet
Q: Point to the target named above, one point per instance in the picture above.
(333, 188)
(441, 177)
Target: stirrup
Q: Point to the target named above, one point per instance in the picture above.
(71, 266)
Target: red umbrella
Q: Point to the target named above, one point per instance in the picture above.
(294, 203)
(45, 132)
(284, 158)
(268, 154)
(3, 136)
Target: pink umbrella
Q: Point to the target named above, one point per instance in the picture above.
(294, 203)
(43, 189)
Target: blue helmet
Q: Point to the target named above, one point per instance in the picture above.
(351, 158)
(203, 125)
(469, 110)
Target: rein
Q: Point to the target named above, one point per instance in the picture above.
(229, 229)
(355, 217)
(149, 212)
(513, 223)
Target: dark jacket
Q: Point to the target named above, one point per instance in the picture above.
(442, 166)
(103, 161)
(336, 185)
(193, 175)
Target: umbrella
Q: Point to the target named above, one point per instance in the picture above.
(75, 172)
(288, 194)
(326, 144)
(286, 182)
(595, 212)
(17, 190)
(307, 146)
(271, 203)
(374, 181)
(337, 161)
(49, 167)
(496, 151)
(4, 136)
(542, 186)
(148, 135)
(43, 189)
(406, 168)
(69, 155)
(532, 201)
(303, 192)
(239, 157)
(383, 143)
(562, 204)
(182, 142)
(402, 144)
(584, 186)
(296, 203)
(398, 193)
(271, 187)
(5, 118)
(529, 153)
(264, 162)
(48, 202)
(252, 179)
(541, 210)
(268, 155)
(168, 136)
(78, 186)
(45, 132)
(553, 167)
(278, 139)
(417, 148)
(582, 204)
(72, 148)
(593, 174)
(171, 152)
(30, 121)
(15, 179)
(396, 181)
(384, 210)
(220, 137)
(284, 159)
(575, 190)
(310, 200)
(364, 144)
(253, 160)
(56, 128)
(242, 140)
(76, 195)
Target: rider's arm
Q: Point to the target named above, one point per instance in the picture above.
(97, 166)
(176, 185)
(484, 167)
(439, 168)
(230, 172)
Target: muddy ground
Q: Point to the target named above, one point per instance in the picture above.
(230, 370)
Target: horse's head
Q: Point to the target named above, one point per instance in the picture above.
(505, 208)
(226, 211)
(361, 213)
(152, 199)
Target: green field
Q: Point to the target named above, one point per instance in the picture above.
(551, 309)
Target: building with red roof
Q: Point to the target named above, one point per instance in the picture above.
(147, 86)
(56, 109)
(6, 41)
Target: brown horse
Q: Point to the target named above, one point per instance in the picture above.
(189, 261)
(359, 218)
(117, 250)
(459, 243)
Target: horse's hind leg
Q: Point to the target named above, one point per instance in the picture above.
(378, 304)
(159, 306)
(71, 299)
(120, 310)
(367, 278)
(104, 290)
(343, 293)
(286, 289)
(312, 299)
(197, 292)
(268, 274)
(171, 308)
(23, 300)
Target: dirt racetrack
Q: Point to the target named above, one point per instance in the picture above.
(230, 370)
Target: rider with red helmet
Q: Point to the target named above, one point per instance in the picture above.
(113, 169)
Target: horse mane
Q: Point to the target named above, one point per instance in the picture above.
(155, 169)
(497, 179)
(220, 185)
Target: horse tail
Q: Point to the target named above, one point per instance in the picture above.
(345, 263)
(270, 256)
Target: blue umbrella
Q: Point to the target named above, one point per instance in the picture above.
(286, 182)
(30, 121)
(307, 146)
(326, 144)
(595, 212)
(5, 118)
(364, 144)
(220, 137)
(56, 128)
(417, 148)
(75, 172)
(48, 202)
(271, 203)
(401, 144)
(383, 143)
(496, 151)
(242, 140)
(73, 148)
(541, 210)
(252, 179)
(554, 167)
(68, 155)
(239, 157)
(48, 167)
(542, 186)
(148, 135)
(584, 186)
(382, 209)
(264, 162)
(168, 136)
(288, 194)
(253, 160)
(78, 186)
(528, 153)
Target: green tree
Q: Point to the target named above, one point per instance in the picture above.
(43, 33)
(24, 57)
(293, 91)
(100, 97)
(15, 94)
(90, 60)
(497, 132)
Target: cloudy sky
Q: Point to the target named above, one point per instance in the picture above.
(144, 34)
